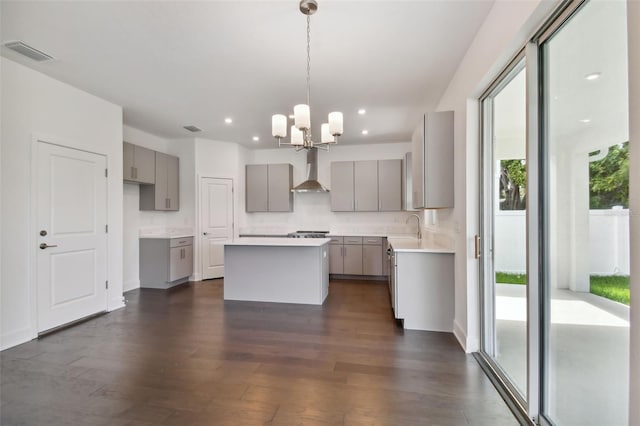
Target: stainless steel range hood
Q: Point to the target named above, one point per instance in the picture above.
(311, 183)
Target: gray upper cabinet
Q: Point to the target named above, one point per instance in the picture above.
(342, 199)
(268, 188)
(164, 195)
(365, 186)
(432, 147)
(390, 185)
(139, 164)
(280, 183)
(257, 188)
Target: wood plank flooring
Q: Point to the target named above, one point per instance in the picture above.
(186, 357)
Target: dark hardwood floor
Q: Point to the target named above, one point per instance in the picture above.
(186, 357)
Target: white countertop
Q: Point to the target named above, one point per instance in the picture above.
(418, 246)
(279, 242)
(165, 236)
(369, 234)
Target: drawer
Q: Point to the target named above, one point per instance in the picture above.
(179, 242)
(374, 241)
(353, 240)
(336, 240)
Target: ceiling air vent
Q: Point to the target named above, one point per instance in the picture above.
(28, 51)
(193, 129)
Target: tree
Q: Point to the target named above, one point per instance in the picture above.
(609, 179)
(513, 184)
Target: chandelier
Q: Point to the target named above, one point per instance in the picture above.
(301, 137)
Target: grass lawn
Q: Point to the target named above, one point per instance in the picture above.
(614, 287)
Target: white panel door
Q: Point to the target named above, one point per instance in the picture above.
(216, 224)
(71, 191)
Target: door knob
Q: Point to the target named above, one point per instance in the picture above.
(205, 233)
(43, 233)
(46, 246)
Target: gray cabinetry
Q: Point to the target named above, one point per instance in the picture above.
(257, 188)
(139, 164)
(352, 256)
(268, 188)
(342, 199)
(432, 149)
(280, 177)
(390, 185)
(372, 257)
(165, 262)
(365, 186)
(357, 256)
(164, 195)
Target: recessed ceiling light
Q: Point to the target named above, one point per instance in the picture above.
(592, 76)
(585, 120)
(256, 138)
(362, 111)
(228, 120)
(365, 132)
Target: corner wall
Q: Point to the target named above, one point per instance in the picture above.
(34, 104)
(504, 32)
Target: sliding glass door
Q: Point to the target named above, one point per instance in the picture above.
(554, 240)
(504, 277)
(585, 213)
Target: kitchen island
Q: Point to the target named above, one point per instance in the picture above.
(284, 270)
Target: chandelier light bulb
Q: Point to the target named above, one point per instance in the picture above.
(302, 116)
(279, 126)
(335, 123)
(297, 137)
(326, 136)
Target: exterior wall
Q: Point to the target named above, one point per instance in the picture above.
(608, 242)
(34, 104)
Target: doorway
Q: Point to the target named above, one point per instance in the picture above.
(71, 227)
(216, 224)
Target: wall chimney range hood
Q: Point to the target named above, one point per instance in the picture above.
(311, 183)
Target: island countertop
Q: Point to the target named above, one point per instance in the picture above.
(279, 242)
(419, 246)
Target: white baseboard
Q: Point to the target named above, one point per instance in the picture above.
(16, 338)
(116, 304)
(461, 336)
(196, 277)
(130, 285)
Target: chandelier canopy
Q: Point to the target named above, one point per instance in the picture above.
(301, 137)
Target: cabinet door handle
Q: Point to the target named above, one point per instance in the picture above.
(133, 175)
(166, 203)
(477, 246)
(135, 172)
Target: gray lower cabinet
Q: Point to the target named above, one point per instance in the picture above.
(268, 188)
(165, 262)
(139, 164)
(357, 256)
(164, 195)
(366, 186)
(372, 258)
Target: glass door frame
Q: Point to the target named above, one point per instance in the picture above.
(529, 408)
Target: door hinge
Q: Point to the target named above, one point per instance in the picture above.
(106, 229)
(106, 284)
(106, 172)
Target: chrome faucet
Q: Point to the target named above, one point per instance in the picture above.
(419, 227)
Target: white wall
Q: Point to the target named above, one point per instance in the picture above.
(34, 104)
(633, 17)
(135, 219)
(608, 242)
(313, 210)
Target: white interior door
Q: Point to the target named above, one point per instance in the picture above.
(71, 191)
(216, 224)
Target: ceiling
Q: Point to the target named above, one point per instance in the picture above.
(171, 64)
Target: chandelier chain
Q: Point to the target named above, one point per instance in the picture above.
(308, 60)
